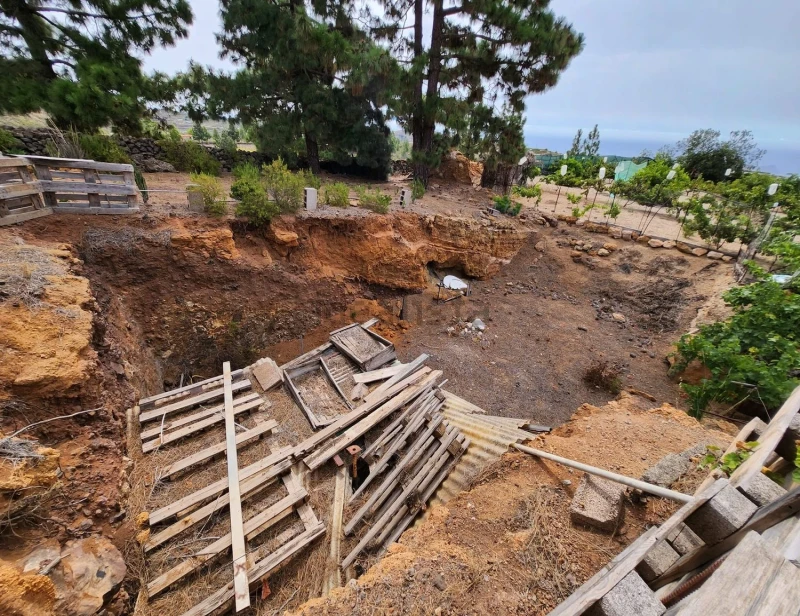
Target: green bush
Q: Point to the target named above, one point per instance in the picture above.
(505, 205)
(417, 190)
(336, 195)
(374, 200)
(189, 156)
(529, 192)
(753, 355)
(9, 143)
(102, 148)
(264, 194)
(284, 187)
(141, 183)
(213, 193)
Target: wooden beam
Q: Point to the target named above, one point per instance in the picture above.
(252, 528)
(209, 452)
(333, 576)
(218, 409)
(86, 187)
(250, 486)
(263, 567)
(190, 402)
(215, 381)
(377, 375)
(197, 426)
(626, 561)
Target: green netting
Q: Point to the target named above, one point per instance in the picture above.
(626, 169)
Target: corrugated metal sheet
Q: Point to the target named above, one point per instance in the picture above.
(490, 437)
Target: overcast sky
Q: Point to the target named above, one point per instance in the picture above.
(651, 71)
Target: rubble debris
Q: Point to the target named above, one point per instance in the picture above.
(599, 503)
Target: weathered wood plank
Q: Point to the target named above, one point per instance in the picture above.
(201, 456)
(144, 403)
(77, 163)
(333, 576)
(252, 528)
(57, 186)
(190, 402)
(198, 426)
(377, 375)
(263, 567)
(11, 219)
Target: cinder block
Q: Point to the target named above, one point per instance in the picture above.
(660, 558)
(762, 490)
(598, 502)
(311, 199)
(631, 597)
(686, 541)
(722, 516)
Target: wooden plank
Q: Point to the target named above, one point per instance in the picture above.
(782, 596)
(218, 409)
(766, 517)
(190, 402)
(77, 163)
(377, 375)
(326, 452)
(357, 413)
(238, 545)
(408, 370)
(17, 161)
(10, 191)
(253, 527)
(249, 487)
(736, 586)
(626, 561)
(223, 597)
(280, 458)
(194, 428)
(333, 577)
(382, 357)
(144, 403)
(209, 452)
(84, 208)
(11, 219)
(768, 441)
(86, 187)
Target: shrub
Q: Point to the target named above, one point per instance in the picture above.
(374, 200)
(505, 205)
(604, 375)
(284, 187)
(573, 198)
(213, 193)
(102, 148)
(141, 183)
(9, 143)
(254, 203)
(189, 156)
(336, 195)
(417, 190)
(529, 192)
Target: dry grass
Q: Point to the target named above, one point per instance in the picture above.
(605, 375)
(24, 271)
(125, 240)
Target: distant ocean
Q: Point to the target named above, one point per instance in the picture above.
(780, 159)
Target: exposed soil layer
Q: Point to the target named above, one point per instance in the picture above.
(508, 546)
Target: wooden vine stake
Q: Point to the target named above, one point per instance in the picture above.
(240, 585)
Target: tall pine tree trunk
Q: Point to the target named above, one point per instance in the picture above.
(312, 153)
(424, 121)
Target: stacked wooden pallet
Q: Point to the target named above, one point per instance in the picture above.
(734, 548)
(20, 193)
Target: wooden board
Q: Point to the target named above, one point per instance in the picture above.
(377, 375)
(190, 402)
(366, 348)
(197, 387)
(203, 455)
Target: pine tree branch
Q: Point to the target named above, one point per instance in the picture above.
(72, 13)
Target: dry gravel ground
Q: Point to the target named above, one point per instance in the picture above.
(549, 319)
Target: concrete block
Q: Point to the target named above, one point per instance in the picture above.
(311, 197)
(660, 558)
(722, 516)
(762, 490)
(631, 597)
(405, 197)
(626, 234)
(599, 503)
(267, 373)
(686, 541)
(670, 468)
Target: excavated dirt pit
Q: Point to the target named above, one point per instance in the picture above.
(102, 311)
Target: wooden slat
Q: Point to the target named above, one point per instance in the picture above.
(782, 596)
(278, 458)
(253, 527)
(77, 163)
(57, 186)
(14, 162)
(768, 441)
(217, 409)
(223, 597)
(199, 386)
(194, 428)
(10, 219)
(377, 375)
(201, 456)
(627, 560)
(249, 487)
(333, 574)
(239, 549)
(764, 518)
(9, 191)
(326, 452)
(190, 402)
(84, 207)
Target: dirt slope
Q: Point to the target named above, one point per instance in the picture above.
(507, 546)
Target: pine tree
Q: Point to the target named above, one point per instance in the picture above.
(591, 145)
(80, 60)
(575, 149)
(483, 52)
(312, 82)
